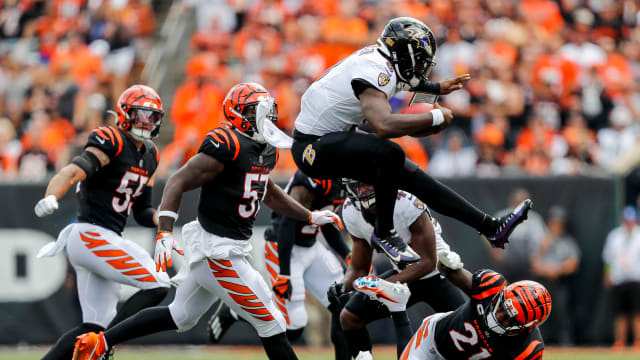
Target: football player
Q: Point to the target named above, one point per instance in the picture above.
(232, 169)
(114, 176)
(356, 90)
(498, 322)
(297, 262)
(417, 227)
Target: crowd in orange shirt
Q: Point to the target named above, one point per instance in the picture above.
(554, 88)
(62, 65)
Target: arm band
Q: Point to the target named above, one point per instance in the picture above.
(431, 87)
(142, 209)
(88, 162)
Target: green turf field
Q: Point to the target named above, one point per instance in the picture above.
(305, 353)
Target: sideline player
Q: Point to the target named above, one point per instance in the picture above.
(114, 176)
(232, 169)
(498, 322)
(417, 227)
(357, 90)
(297, 262)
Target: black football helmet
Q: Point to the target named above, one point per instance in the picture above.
(360, 193)
(410, 46)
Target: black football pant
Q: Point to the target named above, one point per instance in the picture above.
(381, 163)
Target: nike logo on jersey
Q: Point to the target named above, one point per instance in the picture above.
(100, 140)
(215, 143)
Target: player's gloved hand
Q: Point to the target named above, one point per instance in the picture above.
(336, 294)
(322, 217)
(282, 287)
(164, 246)
(46, 206)
(450, 259)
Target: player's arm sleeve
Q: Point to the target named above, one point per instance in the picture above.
(143, 211)
(485, 284)
(221, 144)
(533, 351)
(373, 75)
(335, 240)
(286, 238)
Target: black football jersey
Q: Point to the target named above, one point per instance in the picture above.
(328, 195)
(464, 333)
(229, 203)
(107, 196)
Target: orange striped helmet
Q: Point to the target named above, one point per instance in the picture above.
(139, 111)
(240, 107)
(527, 304)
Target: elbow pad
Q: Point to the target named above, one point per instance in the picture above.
(88, 162)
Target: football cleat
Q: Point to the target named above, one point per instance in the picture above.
(220, 322)
(508, 223)
(90, 346)
(395, 249)
(393, 295)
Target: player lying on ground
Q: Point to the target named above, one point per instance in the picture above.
(498, 322)
(419, 229)
(232, 169)
(358, 89)
(297, 263)
(114, 175)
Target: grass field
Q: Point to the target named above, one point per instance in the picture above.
(304, 353)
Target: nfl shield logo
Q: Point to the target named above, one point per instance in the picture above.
(260, 159)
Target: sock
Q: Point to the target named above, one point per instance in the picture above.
(138, 301)
(63, 348)
(444, 200)
(338, 338)
(277, 347)
(403, 330)
(148, 321)
(358, 340)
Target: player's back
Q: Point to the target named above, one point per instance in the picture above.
(106, 197)
(229, 203)
(330, 105)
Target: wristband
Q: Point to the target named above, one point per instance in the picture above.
(437, 117)
(168, 213)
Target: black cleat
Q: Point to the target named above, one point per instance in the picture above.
(395, 249)
(220, 322)
(509, 223)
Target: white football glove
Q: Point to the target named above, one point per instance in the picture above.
(322, 217)
(164, 246)
(450, 259)
(46, 206)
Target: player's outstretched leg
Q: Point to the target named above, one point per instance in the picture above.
(278, 347)
(63, 348)
(444, 200)
(138, 301)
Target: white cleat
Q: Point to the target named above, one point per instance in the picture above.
(364, 355)
(393, 295)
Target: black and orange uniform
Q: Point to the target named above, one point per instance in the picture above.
(327, 195)
(108, 196)
(229, 203)
(464, 332)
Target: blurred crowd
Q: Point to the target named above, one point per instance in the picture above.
(554, 88)
(63, 63)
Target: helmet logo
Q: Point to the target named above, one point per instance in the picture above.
(383, 79)
(309, 154)
(422, 38)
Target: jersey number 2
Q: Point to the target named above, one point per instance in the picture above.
(251, 194)
(120, 205)
(471, 339)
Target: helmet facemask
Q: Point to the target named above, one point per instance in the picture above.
(144, 122)
(361, 193)
(248, 116)
(501, 318)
